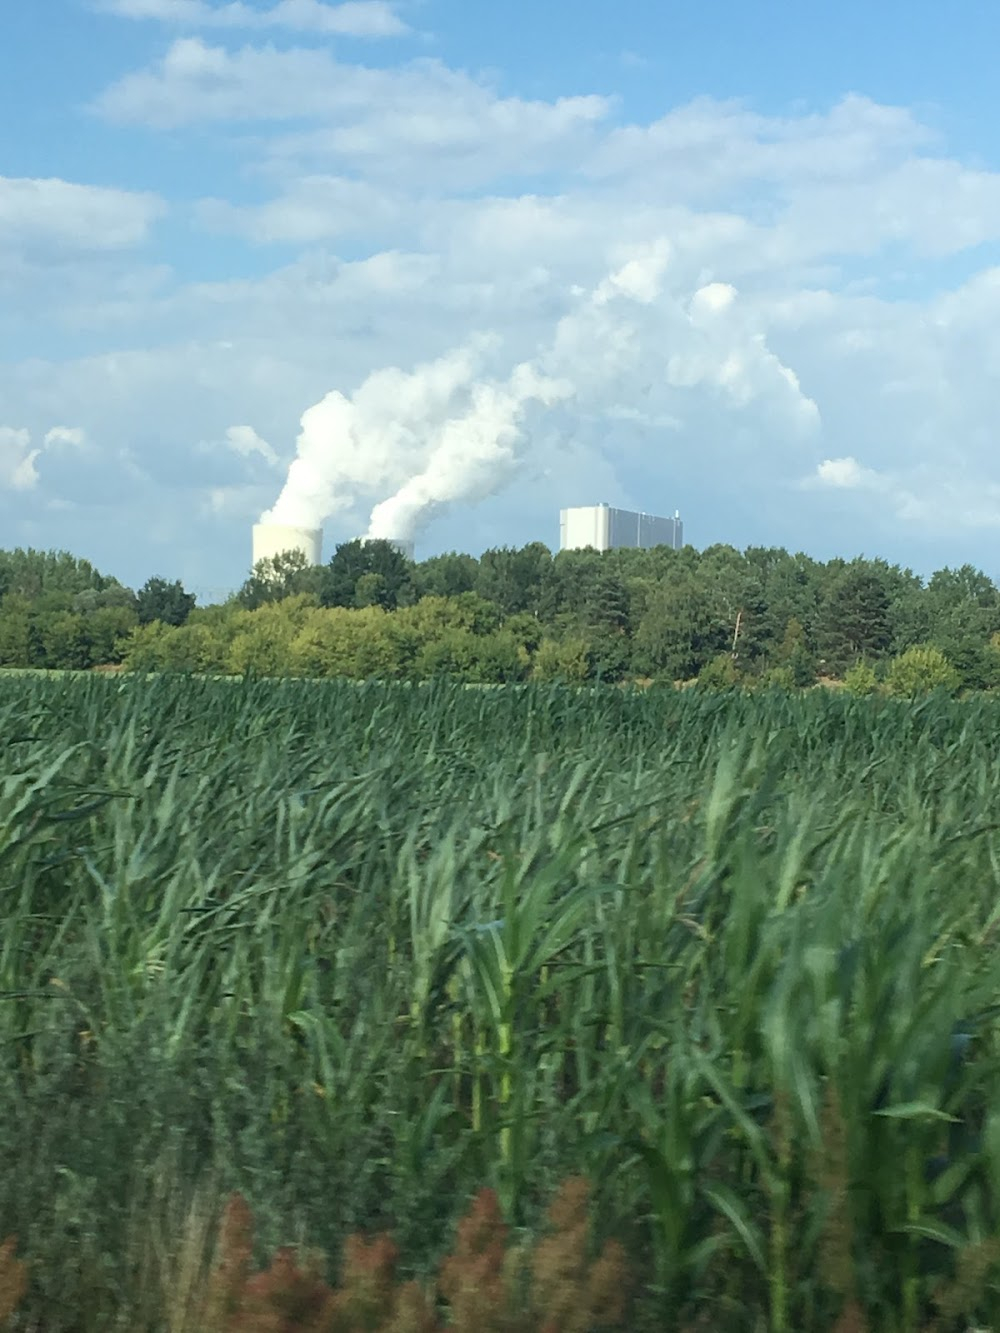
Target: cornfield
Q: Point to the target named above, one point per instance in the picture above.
(358, 951)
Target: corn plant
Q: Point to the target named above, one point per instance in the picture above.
(356, 950)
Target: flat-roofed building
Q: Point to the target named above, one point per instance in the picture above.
(607, 529)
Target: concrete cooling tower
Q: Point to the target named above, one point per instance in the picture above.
(271, 539)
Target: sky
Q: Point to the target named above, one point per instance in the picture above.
(439, 268)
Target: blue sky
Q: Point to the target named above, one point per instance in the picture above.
(460, 264)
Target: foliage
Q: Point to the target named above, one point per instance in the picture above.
(287, 574)
(514, 614)
(719, 674)
(854, 616)
(919, 670)
(485, 1284)
(860, 679)
(166, 602)
(366, 573)
(358, 951)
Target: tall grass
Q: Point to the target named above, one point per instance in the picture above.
(358, 951)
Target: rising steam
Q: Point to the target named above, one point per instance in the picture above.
(367, 442)
(471, 455)
(449, 432)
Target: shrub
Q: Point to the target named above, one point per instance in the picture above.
(861, 679)
(719, 674)
(918, 671)
(779, 677)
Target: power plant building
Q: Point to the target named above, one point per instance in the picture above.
(607, 529)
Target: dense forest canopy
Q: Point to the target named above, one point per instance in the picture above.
(720, 614)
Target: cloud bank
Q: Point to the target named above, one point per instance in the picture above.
(354, 18)
(786, 325)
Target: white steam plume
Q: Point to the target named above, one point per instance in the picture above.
(364, 443)
(447, 432)
(471, 456)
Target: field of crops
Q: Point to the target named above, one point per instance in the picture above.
(359, 950)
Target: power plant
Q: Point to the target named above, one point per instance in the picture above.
(597, 526)
(607, 529)
(272, 539)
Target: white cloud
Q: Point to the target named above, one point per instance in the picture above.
(17, 459)
(355, 18)
(846, 473)
(767, 337)
(422, 122)
(245, 441)
(708, 147)
(68, 435)
(38, 216)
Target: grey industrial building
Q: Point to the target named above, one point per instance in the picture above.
(606, 529)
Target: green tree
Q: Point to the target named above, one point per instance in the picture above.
(353, 560)
(167, 602)
(15, 631)
(109, 628)
(262, 641)
(919, 670)
(605, 617)
(567, 588)
(34, 573)
(562, 660)
(794, 656)
(452, 654)
(680, 631)
(113, 597)
(734, 594)
(446, 575)
(146, 648)
(606, 602)
(854, 616)
(354, 644)
(514, 578)
(371, 590)
(963, 609)
(60, 641)
(288, 574)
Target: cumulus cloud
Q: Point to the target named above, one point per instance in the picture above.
(845, 474)
(740, 301)
(72, 436)
(354, 18)
(422, 120)
(245, 441)
(17, 459)
(19, 455)
(459, 429)
(926, 492)
(38, 216)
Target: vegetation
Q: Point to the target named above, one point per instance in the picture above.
(360, 951)
(728, 619)
(484, 1286)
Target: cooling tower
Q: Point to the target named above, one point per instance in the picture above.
(271, 539)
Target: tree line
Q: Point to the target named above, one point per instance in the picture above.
(720, 615)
